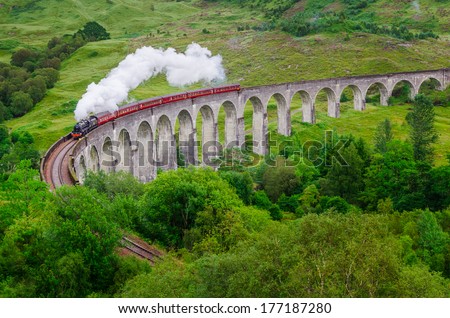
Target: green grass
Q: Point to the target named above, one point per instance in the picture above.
(250, 57)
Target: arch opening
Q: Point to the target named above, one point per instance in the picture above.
(185, 139)
(302, 106)
(434, 89)
(126, 155)
(278, 113)
(255, 119)
(94, 161)
(207, 133)
(326, 101)
(227, 125)
(377, 94)
(349, 94)
(403, 92)
(145, 152)
(109, 161)
(82, 169)
(165, 144)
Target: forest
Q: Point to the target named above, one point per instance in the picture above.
(376, 225)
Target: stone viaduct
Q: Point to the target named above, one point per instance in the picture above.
(147, 140)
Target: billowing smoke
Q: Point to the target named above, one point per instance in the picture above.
(196, 64)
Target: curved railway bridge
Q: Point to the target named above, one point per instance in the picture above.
(154, 138)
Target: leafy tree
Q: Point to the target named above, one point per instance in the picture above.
(423, 133)
(92, 31)
(242, 182)
(114, 184)
(289, 204)
(22, 148)
(21, 103)
(416, 281)
(21, 56)
(337, 204)
(383, 135)
(81, 225)
(438, 194)
(261, 200)
(309, 201)
(50, 76)
(345, 180)
(5, 114)
(173, 202)
(281, 179)
(5, 141)
(396, 175)
(36, 88)
(432, 241)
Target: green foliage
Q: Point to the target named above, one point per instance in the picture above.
(418, 281)
(168, 279)
(423, 133)
(288, 203)
(280, 179)
(395, 175)
(438, 194)
(328, 255)
(50, 76)
(114, 184)
(178, 201)
(336, 203)
(309, 201)
(93, 31)
(241, 182)
(345, 179)
(22, 56)
(383, 135)
(21, 103)
(351, 18)
(432, 242)
(16, 147)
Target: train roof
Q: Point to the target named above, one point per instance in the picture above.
(159, 97)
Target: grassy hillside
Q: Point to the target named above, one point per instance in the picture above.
(251, 56)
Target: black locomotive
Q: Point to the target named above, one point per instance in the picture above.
(84, 126)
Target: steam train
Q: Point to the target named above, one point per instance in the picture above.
(86, 125)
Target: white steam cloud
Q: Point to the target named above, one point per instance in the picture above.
(196, 64)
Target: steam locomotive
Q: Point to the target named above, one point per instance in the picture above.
(86, 125)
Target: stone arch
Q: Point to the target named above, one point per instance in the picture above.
(359, 101)
(126, 155)
(413, 89)
(384, 94)
(94, 160)
(82, 169)
(230, 125)
(259, 126)
(109, 160)
(186, 139)
(145, 149)
(283, 114)
(209, 144)
(165, 144)
(308, 109)
(333, 103)
(439, 87)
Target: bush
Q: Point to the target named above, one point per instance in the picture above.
(21, 103)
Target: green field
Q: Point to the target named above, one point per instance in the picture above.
(250, 57)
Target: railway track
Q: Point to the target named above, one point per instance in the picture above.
(55, 171)
(140, 250)
(55, 168)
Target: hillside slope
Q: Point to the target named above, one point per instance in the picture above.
(251, 56)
